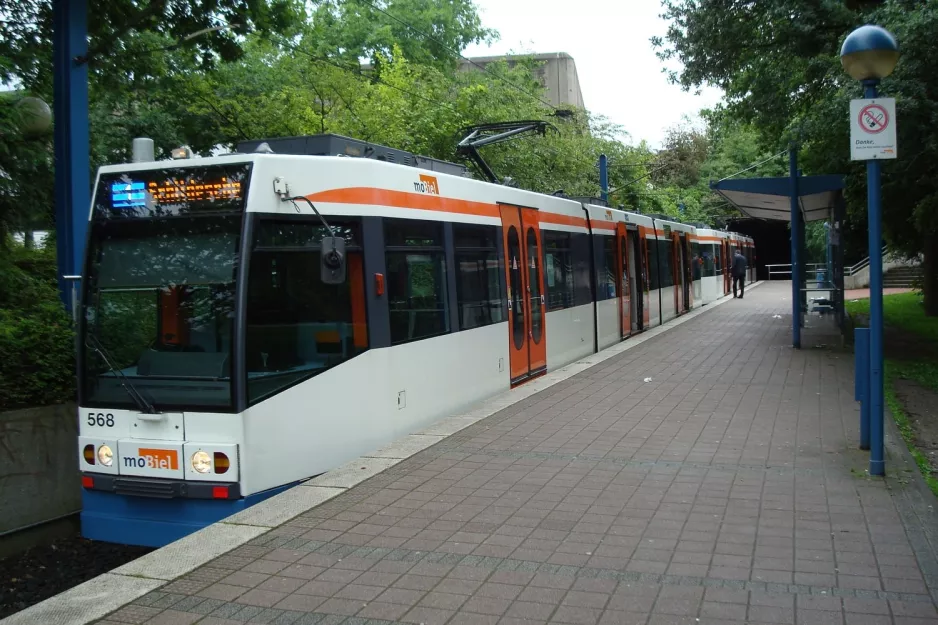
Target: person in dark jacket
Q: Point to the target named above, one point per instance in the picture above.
(739, 273)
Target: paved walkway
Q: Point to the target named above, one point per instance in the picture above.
(851, 294)
(726, 490)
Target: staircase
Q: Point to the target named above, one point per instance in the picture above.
(902, 277)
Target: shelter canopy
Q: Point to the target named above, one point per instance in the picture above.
(770, 198)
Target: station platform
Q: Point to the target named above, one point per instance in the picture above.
(703, 472)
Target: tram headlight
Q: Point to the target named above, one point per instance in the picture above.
(105, 455)
(201, 462)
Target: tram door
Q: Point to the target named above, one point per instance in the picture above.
(688, 273)
(623, 281)
(527, 311)
(677, 273)
(637, 285)
(725, 255)
(642, 248)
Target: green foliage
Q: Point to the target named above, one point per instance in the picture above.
(779, 65)
(24, 162)
(283, 68)
(692, 157)
(816, 242)
(122, 33)
(36, 338)
(893, 371)
(374, 28)
(906, 311)
(902, 310)
(289, 90)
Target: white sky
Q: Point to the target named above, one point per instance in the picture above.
(620, 76)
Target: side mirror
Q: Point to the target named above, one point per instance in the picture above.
(332, 260)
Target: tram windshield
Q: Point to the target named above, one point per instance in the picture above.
(159, 302)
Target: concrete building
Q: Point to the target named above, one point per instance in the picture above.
(556, 72)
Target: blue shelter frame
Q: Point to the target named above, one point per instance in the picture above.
(72, 147)
(797, 199)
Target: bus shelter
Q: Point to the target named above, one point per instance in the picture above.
(798, 199)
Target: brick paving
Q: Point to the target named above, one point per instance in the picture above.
(850, 294)
(726, 490)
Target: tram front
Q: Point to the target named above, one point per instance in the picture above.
(157, 349)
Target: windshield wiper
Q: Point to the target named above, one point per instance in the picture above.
(135, 395)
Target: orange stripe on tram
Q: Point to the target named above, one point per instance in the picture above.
(404, 199)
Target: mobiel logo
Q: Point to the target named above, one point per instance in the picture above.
(427, 184)
(165, 459)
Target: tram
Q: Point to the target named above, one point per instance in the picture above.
(252, 320)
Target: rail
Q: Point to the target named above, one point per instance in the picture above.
(860, 266)
(784, 269)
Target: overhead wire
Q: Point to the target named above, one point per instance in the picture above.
(762, 162)
(358, 74)
(458, 55)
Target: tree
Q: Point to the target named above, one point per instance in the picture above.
(680, 161)
(290, 90)
(25, 161)
(118, 46)
(779, 66)
(426, 32)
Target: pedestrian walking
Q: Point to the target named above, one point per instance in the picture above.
(739, 273)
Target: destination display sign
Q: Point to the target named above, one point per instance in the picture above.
(172, 191)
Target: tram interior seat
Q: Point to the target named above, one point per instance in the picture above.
(279, 347)
(184, 364)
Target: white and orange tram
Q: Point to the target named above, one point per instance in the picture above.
(225, 357)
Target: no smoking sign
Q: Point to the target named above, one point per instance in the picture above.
(872, 129)
(874, 118)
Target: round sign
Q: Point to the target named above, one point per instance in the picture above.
(873, 119)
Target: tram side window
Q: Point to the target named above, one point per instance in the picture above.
(297, 326)
(558, 269)
(478, 289)
(665, 263)
(708, 251)
(718, 259)
(606, 280)
(416, 266)
(582, 278)
(696, 261)
(653, 270)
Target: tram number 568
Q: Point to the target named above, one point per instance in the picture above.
(101, 419)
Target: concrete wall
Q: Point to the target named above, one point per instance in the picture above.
(557, 73)
(39, 479)
(861, 279)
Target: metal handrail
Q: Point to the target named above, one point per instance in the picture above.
(786, 269)
(860, 266)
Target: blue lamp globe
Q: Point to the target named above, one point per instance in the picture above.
(869, 53)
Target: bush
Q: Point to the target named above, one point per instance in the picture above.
(37, 341)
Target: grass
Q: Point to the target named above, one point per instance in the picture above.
(906, 312)
(903, 310)
(926, 374)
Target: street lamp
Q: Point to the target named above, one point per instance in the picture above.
(869, 54)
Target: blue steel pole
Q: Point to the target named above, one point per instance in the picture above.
(603, 178)
(861, 384)
(874, 221)
(72, 160)
(795, 248)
